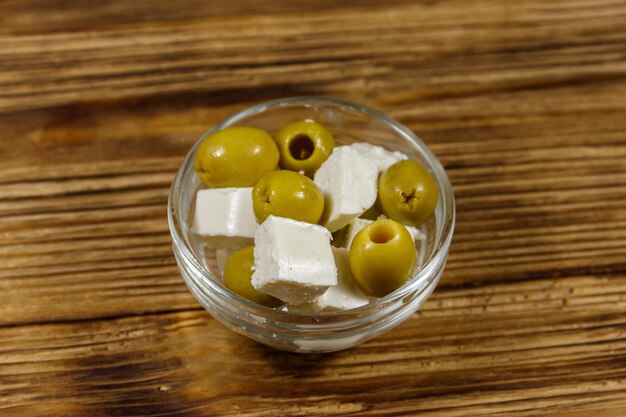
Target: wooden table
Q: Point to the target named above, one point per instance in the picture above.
(523, 102)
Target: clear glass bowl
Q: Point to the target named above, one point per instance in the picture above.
(321, 332)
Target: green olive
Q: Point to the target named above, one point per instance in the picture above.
(304, 146)
(287, 194)
(407, 193)
(382, 257)
(238, 275)
(235, 157)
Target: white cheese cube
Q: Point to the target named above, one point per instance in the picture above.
(345, 295)
(225, 214)
(293, 260)
(349, 182)
(379, 155)
(357, 225)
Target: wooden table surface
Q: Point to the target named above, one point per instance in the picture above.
(522, 101)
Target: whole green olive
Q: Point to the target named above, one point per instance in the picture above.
(304, 146)
(382, 257)
(407, 193)
(235, 157)
(287, 194)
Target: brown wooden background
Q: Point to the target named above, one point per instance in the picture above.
(523, 101)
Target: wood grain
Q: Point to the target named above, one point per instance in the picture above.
(523, 102)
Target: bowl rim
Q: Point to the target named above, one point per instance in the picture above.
(418, 281)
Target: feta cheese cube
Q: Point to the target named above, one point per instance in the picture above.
(349, 182)
(293, 260)
(345, 295)
(379, 155)
(357, 225)
(225, 214)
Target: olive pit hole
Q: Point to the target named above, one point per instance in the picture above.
(301, 147)
(382, 233)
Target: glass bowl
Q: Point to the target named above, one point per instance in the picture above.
(325, 331)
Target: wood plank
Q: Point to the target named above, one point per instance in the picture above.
(469, 352)
(329, 55)
(544, 181)
(522, 102)
(37, 16)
